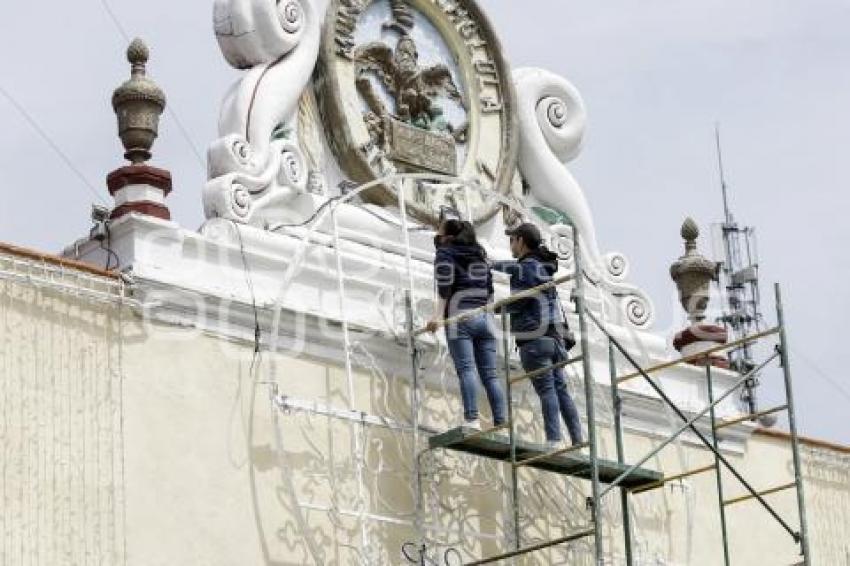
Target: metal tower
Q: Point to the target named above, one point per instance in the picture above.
(739, 284)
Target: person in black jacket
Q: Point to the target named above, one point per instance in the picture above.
(537, 324)
(464, 282)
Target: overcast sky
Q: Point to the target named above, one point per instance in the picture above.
(655, 76)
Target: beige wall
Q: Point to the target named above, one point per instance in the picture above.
(61, 441)
(204, 469)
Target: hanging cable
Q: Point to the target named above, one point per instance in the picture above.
(53, 145)
(310, 219)
(250, 283)
(822, 374)
(391, 222)
(106, 245)
(256, 356)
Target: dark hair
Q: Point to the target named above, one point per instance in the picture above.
(461, 233)
(533, 245)
(529, 233)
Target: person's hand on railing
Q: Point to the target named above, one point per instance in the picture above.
(437, 317)
(497, 307)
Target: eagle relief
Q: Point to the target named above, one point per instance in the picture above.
(419, 86)
(417, 129)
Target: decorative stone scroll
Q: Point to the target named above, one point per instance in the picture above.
(256, 167)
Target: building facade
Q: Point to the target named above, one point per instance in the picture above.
(245, 393)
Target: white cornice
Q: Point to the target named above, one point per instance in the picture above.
(199, 281)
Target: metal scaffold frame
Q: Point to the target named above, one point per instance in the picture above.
(630, 480)
(465, 442)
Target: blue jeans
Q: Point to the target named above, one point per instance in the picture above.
(552, 387)
(472, 345)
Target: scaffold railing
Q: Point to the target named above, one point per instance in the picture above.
(628, 480)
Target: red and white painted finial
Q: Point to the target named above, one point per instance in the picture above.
(138, 104)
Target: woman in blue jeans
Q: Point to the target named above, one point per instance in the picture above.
(534, 324)
(551, 387)
(464, 282)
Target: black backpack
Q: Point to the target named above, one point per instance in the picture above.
(562, 327)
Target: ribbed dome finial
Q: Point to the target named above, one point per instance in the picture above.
(138, 52)
(138, 103)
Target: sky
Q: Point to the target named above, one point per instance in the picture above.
(655, 76)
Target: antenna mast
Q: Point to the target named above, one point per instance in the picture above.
(723, 186)
(739, 280)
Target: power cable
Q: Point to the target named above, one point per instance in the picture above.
(106, 245)
(332, 200)
(391, 222)
(249, 282)
(256, 356)
(312, 217)
(822, 374)
(53, 145)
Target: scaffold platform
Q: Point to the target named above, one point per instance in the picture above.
(498, 447)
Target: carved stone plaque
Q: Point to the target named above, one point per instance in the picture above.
(422, 149)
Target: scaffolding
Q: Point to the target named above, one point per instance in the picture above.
(628, 480)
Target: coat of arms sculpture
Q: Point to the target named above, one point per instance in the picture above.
(343, 93)
(418, 86)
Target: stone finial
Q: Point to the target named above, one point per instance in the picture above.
(139, 188)
(138, 103)
(693, 274)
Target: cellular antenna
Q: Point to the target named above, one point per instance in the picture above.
(739, 282)
(723, 186)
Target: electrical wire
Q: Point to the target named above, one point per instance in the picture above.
(256, 357)
(417, 228)
(250, 283)
(53, 145)
(332, 200)
(107, 247)
(311, 218)
(822, 374)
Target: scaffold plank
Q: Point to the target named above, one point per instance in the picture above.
(498, 447)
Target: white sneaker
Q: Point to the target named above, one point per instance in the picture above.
(554, 445)
(473, 424)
